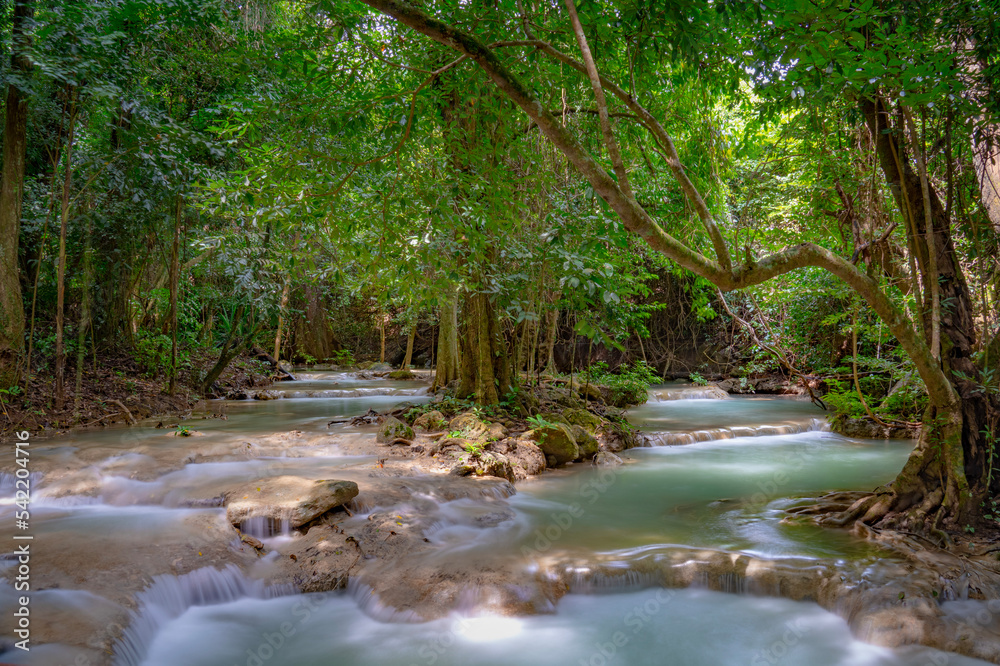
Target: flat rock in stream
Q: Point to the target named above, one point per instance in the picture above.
(287, 498)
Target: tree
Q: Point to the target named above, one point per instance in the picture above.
(11, 196)
(947, 477)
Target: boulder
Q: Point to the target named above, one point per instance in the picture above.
(607, 459)
(554, 417)
(525, 456)
(485, 463)
(618, 437)
(288, 499)
(557, 441)
(586, 442)
(475, 429)
(583, 418)
(401, 374)
(381, 367)
(431, 421)
(391, 429)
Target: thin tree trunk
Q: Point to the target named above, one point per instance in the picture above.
(227, 354)
(41, 257)
(174, 282)
(409, 347)
(85, 323)
(61, 273)
(550, 352)
(381, 330)
(11, 196)
(282, 306)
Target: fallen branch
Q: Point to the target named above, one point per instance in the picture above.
(126, 410)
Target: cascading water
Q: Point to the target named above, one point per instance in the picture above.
(168, 597)
(622, 532)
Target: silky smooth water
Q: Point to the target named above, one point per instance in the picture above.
(726, 494)
(650, 627)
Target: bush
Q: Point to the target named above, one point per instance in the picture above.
(628, 385)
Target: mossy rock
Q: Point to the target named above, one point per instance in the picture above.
(475, 429)
(431, 421)
(401, 374)
(583, 418)
(485, 464)
(558, 442)
(364, 365)
(392, 428)
(585, 442)
(554, 417)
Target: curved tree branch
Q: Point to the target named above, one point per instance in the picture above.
(602, 103)
(637, 220)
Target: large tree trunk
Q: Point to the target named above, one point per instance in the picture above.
(11, 195)
(312, 334)
(447, 347)
(485, 372)
(947, 475)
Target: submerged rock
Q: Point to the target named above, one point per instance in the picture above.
(287, 499)
(557, 441)
(607, 459)
(393, 429)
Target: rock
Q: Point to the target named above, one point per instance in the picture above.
(607, 459)
(485, 463)
(448, 445)
(586, 442)
(401, 374)
(431, 421)
(266, 395)
(524, 456)
(619, 437)
(475, 429)
(393, 429)
(381, 367)
(364, 365)
(581, 417)
(867, 429)
(557, 441)
(554, 417)
(590, 392)
(287, 498)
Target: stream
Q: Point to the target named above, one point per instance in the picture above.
(718, 478)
